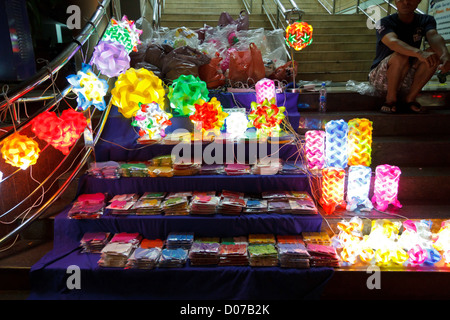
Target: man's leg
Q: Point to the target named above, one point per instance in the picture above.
(422, 75)
(398, 67)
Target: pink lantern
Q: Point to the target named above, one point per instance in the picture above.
(315, 149)
(265, 89)
(386, 186)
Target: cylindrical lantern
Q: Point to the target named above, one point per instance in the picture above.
(336, 154)
(386, 186)
(315, 149)
(359, 142)
(333, 185)
(265, 89)
(358, 188)
(20, 151)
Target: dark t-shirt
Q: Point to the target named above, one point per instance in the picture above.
(411, 33)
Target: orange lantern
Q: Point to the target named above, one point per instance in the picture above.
(20, 151)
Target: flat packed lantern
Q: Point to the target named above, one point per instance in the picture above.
(386, 186)
(359, 142)
(20, 151)
(265, 90)
(336, 144)
(333, 180)
(315, 149)
(358, 188)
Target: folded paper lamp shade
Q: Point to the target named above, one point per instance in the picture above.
(359, 142)
(333, 180)
(358, 188)
(151, 120)
(236, 124)
(386, 186)
(266, 117)
(185, 92)
(265, 89)
(315, 149)
(123, 32)
(111, 58)
(299, 35)
(336, 154)
(208, 116)
(20, 151)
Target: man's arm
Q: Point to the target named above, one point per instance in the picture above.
(437, 43)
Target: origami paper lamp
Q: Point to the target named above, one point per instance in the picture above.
(336, 154)
(315, 149)
(299, 35)
(417, 255)
(266, 117)
(111, 58)
(136, 86)
(366, 254)
(151, 120)
(20, 151)
(358, 188)
(185, 92)
(208, 116)
(265, 89)
(333, 180)
(89, 88)
(236, 124)
(359, 142)
(123, 32)
(386, 186)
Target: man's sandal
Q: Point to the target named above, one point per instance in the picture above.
(416, 107)
(388, 108)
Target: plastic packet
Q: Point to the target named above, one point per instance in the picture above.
(363, 88)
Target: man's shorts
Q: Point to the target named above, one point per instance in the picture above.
(378, 77)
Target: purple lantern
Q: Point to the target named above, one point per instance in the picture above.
(111, 58)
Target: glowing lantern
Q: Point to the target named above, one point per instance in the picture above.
(134, 87)
(185, 92)
(89, 88)
(359, 142)
(151, 120)
(417, 255)
(111, 58)
(20, 151)
(315, 149)
(336, 144)
(366, 254)
(265, 89)
(299, 35)
(208, 116)
(266, 117)
(358, 188)
(236, 124)
(386, 186)
(332, 189)
(123, 32)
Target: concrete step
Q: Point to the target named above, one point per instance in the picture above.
(336, 56)
(341, 65)
(336, 76)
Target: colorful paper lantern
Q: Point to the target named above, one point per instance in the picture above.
(89, 88)
(359, 142)
(336, 154)
(185, 92)
(111, 58)
(137, 86)
(208, 116)
(315, 149)
(236, 124)
(333, 180)
(417, 255)
(299, 35)
(266, 117)
(151, 120)
(123, 32)
(265, 89)
(20, 151)
(358, 188)
(386, 186)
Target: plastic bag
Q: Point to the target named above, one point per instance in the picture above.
(285, 72)
(242, 23)
(363, 88)
(183, 61)
(246, 66)
(212, 74)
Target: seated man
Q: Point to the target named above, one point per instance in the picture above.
(400, 65)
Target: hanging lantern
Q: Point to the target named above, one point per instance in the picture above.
(336, 155)
(265, 90)
(315, 149)
(333, 180)
(20, 151)
(111, 58)
(360, 142)
(185, 92)
(123, 32)
(358, 188)
(136, 86)
(386, 186)
(208, 116)
(151, 120)
(299, 35)
(266, 117)
(89, 88)
(236, 124)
